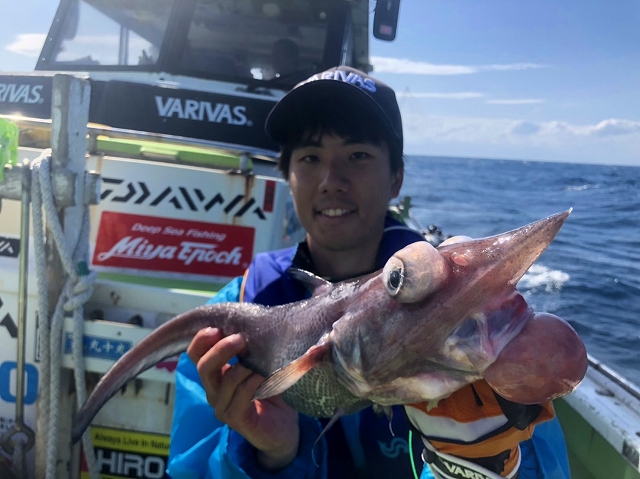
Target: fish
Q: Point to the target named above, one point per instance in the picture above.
(431, 321)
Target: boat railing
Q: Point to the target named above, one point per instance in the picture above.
(603, 423)
(618, 380)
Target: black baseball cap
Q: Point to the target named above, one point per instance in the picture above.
(351, 85)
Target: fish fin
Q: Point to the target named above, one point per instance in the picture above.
(285, 377)
(339, 412)
(314, 284)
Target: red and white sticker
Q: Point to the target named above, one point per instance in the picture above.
(170, 245)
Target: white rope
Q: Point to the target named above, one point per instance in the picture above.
(19, 460)
(44, 405)
(75, 293)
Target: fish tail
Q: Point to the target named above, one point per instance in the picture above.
(169, 339)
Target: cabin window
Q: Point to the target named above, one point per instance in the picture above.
(270, 43)
(280, 41)
(113, 32)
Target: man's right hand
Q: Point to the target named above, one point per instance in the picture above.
(270, 425)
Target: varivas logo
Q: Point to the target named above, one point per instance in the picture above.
(202, 111)
(347, 77)
(21, 93)
(461, 472)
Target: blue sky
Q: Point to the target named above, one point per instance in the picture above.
(528, 79)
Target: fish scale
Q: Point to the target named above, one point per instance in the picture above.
(319, 393)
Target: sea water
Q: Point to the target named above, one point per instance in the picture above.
(590, 275)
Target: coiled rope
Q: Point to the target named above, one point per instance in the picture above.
(76, 292)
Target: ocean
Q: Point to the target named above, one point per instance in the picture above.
(590, 275)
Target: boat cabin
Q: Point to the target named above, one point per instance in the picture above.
(204, 69)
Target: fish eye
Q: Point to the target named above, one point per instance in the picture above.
(393, 276)
(414, 273)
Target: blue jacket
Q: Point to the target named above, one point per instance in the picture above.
(359, 445)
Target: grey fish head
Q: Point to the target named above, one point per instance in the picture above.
(396, 352)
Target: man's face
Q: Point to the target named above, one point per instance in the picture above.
(341, 190)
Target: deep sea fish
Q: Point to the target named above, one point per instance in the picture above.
(430, 322)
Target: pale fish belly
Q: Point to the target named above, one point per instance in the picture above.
(431, 386)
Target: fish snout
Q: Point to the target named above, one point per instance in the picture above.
(503, 259)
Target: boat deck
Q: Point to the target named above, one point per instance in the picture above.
(601, 422)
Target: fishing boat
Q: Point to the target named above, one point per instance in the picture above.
(140, 136)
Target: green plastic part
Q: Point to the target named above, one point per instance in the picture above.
(9, 136)
(154, 150)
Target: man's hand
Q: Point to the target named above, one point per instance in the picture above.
(270, 425)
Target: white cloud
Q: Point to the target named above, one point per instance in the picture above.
(497, 130)
(524, 101)
(613, 141)
(613, 127)
(27, 44)
(403, 65)
(513, 66)
(463, 95)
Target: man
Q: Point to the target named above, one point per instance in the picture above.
(341, 138)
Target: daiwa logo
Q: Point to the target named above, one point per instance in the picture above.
(347, 77)
(9, 247)
(179, 197)
(17, 93)
(202, 111)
